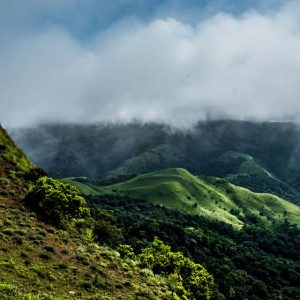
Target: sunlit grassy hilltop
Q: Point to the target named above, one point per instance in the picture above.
(211, 197)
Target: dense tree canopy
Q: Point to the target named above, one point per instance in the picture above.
(258, 262)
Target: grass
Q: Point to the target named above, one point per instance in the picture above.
(243, 170)
(211, 197)
(85, 188)
(159, 157)
(13, 154)
(49, 266)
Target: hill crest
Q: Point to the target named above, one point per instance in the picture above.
(214, 198)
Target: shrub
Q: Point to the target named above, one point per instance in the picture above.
(34, 174)
(65, 252)
(87, 285)
(18, 240)
(105, 229)
(45, 256)
(55, 201)
(43, 272)
(186, 278)
(7, 289)
(49, 248)
(126, 251)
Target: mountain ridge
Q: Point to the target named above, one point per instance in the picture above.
(102, 151)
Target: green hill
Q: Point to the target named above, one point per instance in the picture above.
(244, 170)
(84, 186)
(160, 157)
(213, 198)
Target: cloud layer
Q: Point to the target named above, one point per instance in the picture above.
(245, 66)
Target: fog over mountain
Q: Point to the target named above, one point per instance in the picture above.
(177, 63)
(262, 156)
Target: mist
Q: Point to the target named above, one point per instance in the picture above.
(163, 69)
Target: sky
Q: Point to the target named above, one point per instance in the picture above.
(174, 61)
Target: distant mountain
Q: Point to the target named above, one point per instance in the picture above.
(263, 156)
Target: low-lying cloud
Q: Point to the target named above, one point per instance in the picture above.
(166, 70)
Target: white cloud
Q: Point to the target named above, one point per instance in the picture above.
(242, 67)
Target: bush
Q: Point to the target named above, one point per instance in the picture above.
(105, 229)
(186, 278)
(34, 174)
(55, 201)
(126, 251)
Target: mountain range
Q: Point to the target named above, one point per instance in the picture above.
(223, 196)
(262, 156)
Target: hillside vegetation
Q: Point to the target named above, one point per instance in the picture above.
(260, 261)
(12, 155)
(209, 197)
(167, 234)
(67, 261)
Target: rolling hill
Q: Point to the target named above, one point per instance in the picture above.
(160, 157)
(244, 170)
(213, 198)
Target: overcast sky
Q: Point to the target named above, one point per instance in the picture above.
(175, 60)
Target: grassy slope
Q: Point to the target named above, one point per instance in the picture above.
(238, 168)
(160, 157)
(207, 196)
(85, 188)
(47, 262)
(52, 264)
(12, 154)
(13, 166)
(243, 170)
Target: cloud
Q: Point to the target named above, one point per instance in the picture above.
(245, 66)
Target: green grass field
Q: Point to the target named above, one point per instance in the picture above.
(210, 197)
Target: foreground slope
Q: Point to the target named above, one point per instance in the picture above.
(211, 197)
(39, 261)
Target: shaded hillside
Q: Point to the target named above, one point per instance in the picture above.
(111, 150)
(213, 198)
(244, 170)
(157, 158)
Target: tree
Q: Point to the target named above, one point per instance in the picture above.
(56, 202)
